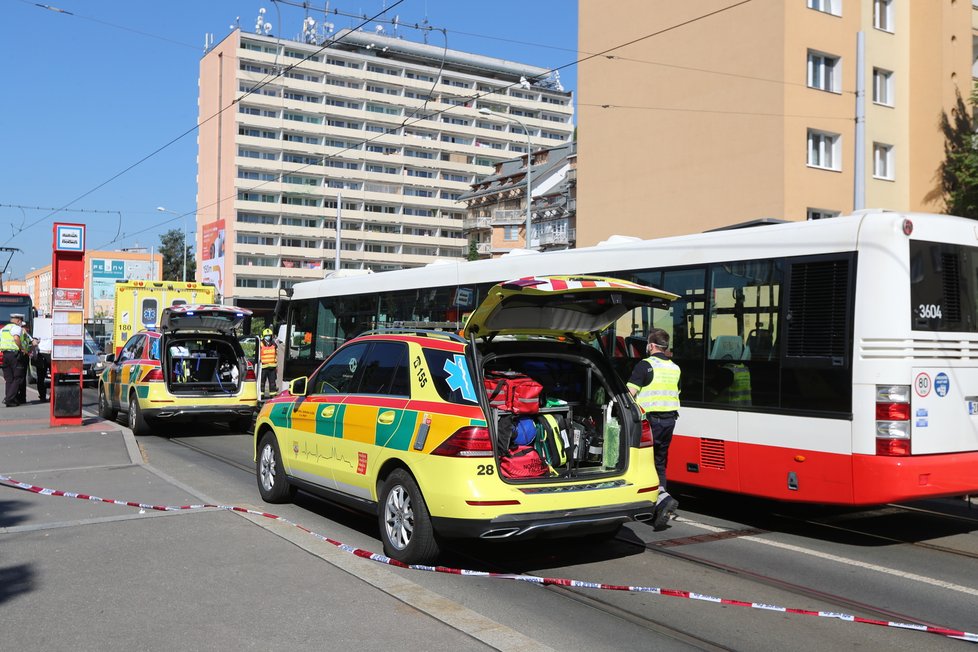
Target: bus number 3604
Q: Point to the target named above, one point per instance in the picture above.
(929, 311)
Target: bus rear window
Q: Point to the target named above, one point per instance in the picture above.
(943, 283)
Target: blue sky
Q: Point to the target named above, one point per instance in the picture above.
(94, 92)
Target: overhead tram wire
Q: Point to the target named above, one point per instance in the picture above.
(441, 111)
(197, 126)
(107, 24)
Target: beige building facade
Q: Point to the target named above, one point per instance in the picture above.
(718, 114)
(384, 132)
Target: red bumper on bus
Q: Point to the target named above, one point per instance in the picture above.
(797, 475)
(900, 479)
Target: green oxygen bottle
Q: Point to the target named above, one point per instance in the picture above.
(612, 438)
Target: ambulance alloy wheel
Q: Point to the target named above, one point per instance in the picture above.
(137, 423)
(104, 409)
(273, 486)
(405, 524)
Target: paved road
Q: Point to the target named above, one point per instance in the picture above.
(113, 578)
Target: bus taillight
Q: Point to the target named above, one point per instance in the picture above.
(893, 420)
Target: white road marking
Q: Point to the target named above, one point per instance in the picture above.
(950, 586)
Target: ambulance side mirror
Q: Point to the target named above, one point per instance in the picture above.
(298, 386)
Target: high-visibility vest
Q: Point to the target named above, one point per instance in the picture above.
(268, 355)
(739, 392)
(7, 341)
(662, 394)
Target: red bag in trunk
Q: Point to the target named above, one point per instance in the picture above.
(511, 391)
(522, 462)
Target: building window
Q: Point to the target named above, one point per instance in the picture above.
(823, 150)
(882, 87)
(823, 71)
(883, 15)
(833, 7)
(882, 161)
(821, 214)
(511, 232)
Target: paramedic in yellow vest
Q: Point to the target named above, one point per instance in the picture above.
(15, 344)
(268, 357)
(738, 392)
(655, 385)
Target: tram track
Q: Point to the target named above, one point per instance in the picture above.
(775, 517)
(836, 600)
(249, 468)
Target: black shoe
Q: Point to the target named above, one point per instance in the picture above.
(665, 510)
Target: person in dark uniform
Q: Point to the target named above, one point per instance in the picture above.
(41, 357)
(655, 385)
(14, 344)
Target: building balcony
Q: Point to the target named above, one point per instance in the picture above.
(556, 238)
(502, 217)
(483, 248)
(476, 223)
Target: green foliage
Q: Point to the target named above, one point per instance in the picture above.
(958, 173)
(171, 248)
(473, 251)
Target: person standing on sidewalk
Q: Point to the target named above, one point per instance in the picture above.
(655, 385)
(42, 363)
(268, 357)
(14, 345)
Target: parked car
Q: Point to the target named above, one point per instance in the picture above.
(193, 368)
(93, 363)
(402, 425)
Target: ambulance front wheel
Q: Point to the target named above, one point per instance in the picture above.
(273, 486)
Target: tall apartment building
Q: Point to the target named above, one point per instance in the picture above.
(752, 111)
(385, 132)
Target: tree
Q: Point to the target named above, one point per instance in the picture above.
(958, 173)
(473, 251)
(171, 248)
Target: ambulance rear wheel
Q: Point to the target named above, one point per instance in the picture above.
(105, 410)
(405, 523)
(137, 422)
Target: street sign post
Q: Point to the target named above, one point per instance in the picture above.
(67, 305)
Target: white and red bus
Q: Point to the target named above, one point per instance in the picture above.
(12, 303)
(832, 361)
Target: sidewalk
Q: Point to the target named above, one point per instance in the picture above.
(85, 575)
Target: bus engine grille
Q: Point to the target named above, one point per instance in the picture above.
(713, 454)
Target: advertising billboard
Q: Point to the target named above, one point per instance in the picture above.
(104, 272)
(212, 255)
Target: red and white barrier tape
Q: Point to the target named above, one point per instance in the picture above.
(544, 581)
